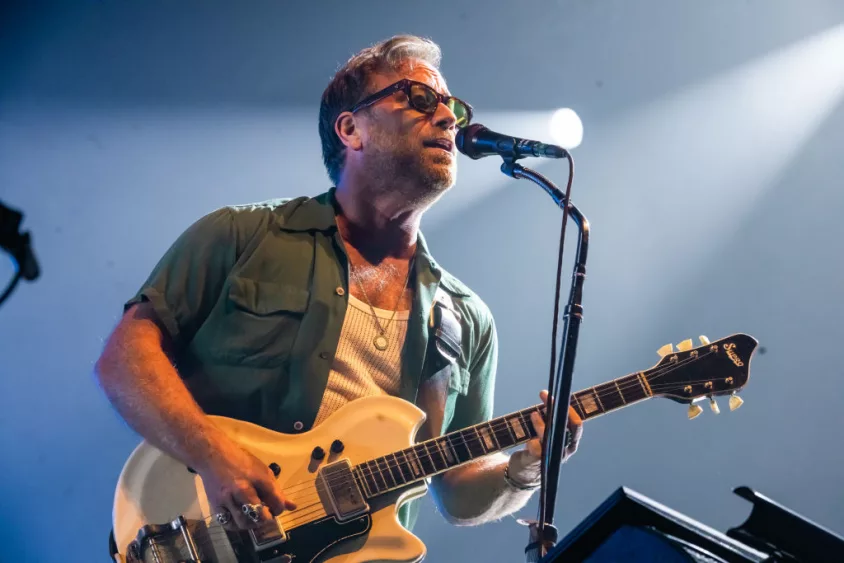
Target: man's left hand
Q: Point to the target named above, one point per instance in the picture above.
(575, 427)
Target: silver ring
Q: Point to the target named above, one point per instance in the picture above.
(253, 511)
(223, 517)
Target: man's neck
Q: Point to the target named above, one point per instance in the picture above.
(377, 225)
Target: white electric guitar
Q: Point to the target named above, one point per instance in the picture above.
(349, 475)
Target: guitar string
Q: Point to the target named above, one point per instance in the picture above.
(313, 493)
(298, 515)
(503, 424)
(298, 518)
(496, 427)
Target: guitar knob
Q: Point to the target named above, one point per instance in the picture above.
(735, 402)
(318, 453)
(694, 411)
(703, 340)
(714, 406)
(685, 345)
(275, 468)
(337, 446)
(665, 350)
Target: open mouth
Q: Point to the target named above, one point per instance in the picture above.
(444, 144)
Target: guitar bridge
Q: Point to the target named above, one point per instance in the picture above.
(337, 482)
(156, 543)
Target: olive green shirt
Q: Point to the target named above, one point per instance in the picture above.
(254, 297)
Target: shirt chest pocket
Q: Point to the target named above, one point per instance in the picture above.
(260, 322)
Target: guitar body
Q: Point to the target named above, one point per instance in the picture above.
(154, 489)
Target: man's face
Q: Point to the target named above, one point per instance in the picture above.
(399, 141)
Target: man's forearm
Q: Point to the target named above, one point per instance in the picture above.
(478, 493)
(147, 391)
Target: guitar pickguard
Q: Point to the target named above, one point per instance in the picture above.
(306, 544)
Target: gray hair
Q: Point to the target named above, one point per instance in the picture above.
(351, 84)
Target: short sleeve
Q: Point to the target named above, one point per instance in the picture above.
(187, 281)
(477, 405)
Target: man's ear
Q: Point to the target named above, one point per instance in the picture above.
(347, 130)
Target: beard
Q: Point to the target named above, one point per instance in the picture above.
(422, 174)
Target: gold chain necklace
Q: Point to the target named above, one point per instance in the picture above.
(380, 341)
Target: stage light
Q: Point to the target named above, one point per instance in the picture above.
(566, 128)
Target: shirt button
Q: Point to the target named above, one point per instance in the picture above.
(340, 290)
(297, 426)
(323, 355)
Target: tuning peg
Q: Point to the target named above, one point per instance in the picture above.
(685, 345)
(714, 406)
(735, 402)
(694, 411)
(665, 350)
(703, 340)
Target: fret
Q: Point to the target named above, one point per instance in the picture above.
(378, 484)
(527, 423)
(384, 466)
(458, 444)
(610, 395)
(371, 484)
(415, 466)
(491, 440)
(437, 455)
(360, 478)
(510, 430)
(395, 468)
(589, 404)
(632, 387)
(517, 428)
(480, 443)
(620, 394)
(428, 467)
(597, 396)
(404, 466)
(472, 441)
(445, 447)
(578, 406)
(502, 434)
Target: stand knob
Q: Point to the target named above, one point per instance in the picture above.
(694, 411)
(318, 453)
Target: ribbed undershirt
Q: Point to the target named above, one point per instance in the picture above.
(359, 368)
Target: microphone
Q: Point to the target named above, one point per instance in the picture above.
(476, 141)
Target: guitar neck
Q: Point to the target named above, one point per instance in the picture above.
(437, 455)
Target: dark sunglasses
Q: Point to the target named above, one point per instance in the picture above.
(421, 97)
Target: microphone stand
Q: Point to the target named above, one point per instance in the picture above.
(543, 534)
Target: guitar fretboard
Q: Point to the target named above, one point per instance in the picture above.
(437, 455)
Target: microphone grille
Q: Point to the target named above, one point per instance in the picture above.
(464, 140)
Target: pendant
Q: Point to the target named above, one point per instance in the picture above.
(380, 342)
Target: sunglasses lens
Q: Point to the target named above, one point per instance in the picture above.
(460, 111)
(423, 98)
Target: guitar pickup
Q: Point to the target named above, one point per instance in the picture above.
(336, 484)
(267, 534)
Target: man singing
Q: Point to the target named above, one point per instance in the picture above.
(279, 313)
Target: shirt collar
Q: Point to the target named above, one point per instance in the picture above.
(317, 214)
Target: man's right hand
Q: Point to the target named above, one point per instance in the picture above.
(235, 477)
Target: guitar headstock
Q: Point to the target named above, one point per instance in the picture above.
(689, 374)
